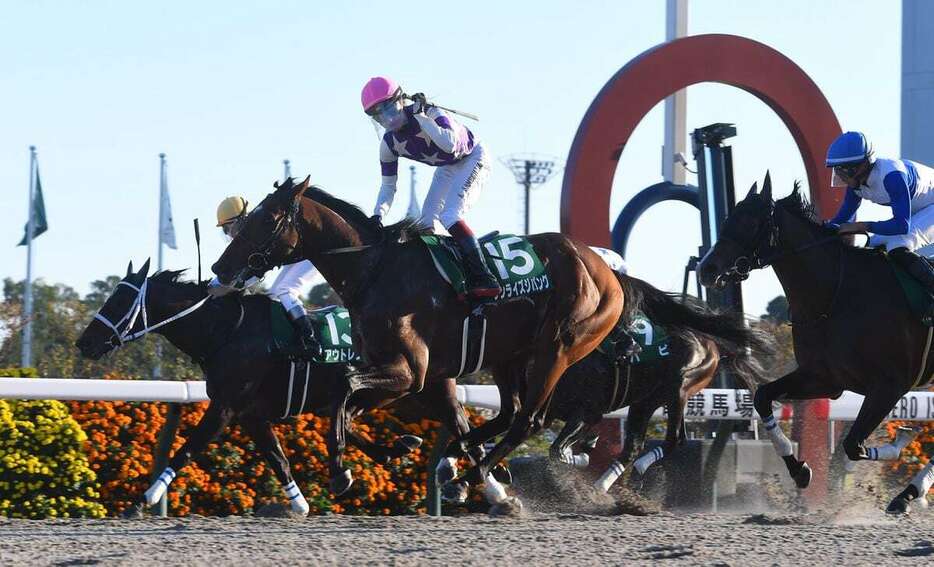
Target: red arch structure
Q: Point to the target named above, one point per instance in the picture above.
(663, 70)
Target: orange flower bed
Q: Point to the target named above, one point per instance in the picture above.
(914, 457)
(230, 477)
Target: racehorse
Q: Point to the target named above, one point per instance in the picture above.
(682, 365)
(851, 324)
(408, 322)
(230, 339)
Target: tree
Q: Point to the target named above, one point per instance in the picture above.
(777, 310)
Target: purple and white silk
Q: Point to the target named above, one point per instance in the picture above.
(432, 138)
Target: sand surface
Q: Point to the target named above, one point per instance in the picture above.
(865, 537)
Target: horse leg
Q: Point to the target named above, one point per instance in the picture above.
(636, 423)
(875, 407)
(268, 444)
(918, 488)
(572, 431)
(340, 478)
(214, 420)
(673, 432)
(797, 385)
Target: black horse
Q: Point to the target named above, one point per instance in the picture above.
(679, 367)
(852, 327)
(248, 383)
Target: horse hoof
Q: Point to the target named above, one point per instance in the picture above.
(134, 512)
(409, 442)
(341, 483)
(511, 507)
(802, 478)
(898, 506)
(455, 492)
(501, 473)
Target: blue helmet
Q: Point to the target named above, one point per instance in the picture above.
(849, 147)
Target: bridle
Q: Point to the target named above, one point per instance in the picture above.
(765, 252)
(258, 262)
(136, 311)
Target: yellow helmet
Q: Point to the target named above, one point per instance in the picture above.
(231, 209)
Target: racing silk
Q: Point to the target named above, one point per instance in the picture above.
(432, 138)
(906, 186)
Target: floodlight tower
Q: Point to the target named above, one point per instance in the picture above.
(531, 170)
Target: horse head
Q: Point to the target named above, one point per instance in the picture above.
(746, 234)
(116, 318)
(268, 237)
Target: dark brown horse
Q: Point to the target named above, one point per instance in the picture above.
(230, 339)
(680, 366)
(408, 321)
(852, 326)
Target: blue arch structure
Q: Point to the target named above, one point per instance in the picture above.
(645, 199)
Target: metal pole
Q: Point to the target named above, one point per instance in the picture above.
(287, 169)
(26, 359)
(433, 495)
(162, 451)
(528, 190)
(675, 105)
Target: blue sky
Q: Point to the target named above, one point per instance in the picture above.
(228, 90)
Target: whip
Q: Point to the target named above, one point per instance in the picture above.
(473, 117)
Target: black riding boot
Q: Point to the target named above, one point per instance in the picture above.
(624, 346)
(480, 282)
(920, 269)
(311, 348)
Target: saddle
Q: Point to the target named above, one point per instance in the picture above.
(510, 258)
(332, 327)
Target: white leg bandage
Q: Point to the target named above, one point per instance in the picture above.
(493, 490)
(609, 477)
(892, 451)
(782, 445)
(159, 488)
(580, 461)
(648, 459)
(924, 480)
(296, 500)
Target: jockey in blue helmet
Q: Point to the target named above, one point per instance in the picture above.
(905, 186)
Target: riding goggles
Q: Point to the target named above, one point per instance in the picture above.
(389, 114)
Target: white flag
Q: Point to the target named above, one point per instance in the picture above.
(166, 228)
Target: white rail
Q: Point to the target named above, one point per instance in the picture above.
(708, 404)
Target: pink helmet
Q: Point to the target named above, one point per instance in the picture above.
(377, 90)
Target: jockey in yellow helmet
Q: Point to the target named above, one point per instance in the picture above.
(289, 283)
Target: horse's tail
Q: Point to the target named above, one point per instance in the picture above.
(741, 344)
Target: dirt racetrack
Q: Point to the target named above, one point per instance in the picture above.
(867, 538)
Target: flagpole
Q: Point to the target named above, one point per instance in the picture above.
(26, 360)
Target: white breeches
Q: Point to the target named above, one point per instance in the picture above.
(920, 234)
(455, 188)
(612, 259)
(291, 281)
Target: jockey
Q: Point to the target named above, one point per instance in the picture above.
(906, 186)
(623, 341)
(289, 283)
(426, 134)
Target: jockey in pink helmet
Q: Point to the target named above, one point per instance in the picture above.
(426, 134)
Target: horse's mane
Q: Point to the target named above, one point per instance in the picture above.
(404, 230)
(171, 278)
(803, 209)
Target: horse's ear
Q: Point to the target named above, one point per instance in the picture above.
(299, 189)
(275, 184)
(767, 187)
(752, 190)
(797, 188)
(144, 271)
(129, 270)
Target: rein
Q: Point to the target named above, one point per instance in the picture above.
(137, 309)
